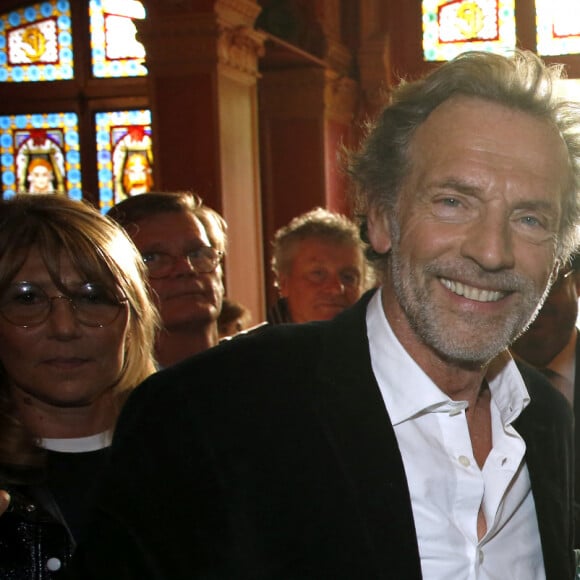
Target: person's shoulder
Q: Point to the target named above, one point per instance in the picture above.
(263, 352)
(546, 400)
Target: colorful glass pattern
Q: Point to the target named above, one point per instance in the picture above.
(124, 155)
(36, 43)
(40, 154)
(115, 50)
(451, 27)
(558, 27)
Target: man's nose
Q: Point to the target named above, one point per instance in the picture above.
(489, 242)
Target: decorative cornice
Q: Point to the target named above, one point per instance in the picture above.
(237, 12)
(240, 48)
(177, 44)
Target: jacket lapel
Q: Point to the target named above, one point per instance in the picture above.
(358, 427)
(547, 458)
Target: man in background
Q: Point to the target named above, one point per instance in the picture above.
(183, 243)
(551, 344)
(319, 267)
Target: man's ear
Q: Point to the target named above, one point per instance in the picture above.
(379, 231)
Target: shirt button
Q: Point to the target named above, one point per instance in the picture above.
(480, 556)
(464, 461)
(53, 564)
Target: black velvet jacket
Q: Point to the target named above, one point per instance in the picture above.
(272, 456)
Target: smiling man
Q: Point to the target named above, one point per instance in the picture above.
(399, 439)
(182, 243)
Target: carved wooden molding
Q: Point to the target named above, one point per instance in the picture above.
(181, 44)
(240, 48)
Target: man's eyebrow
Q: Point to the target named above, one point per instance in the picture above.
(456, 185)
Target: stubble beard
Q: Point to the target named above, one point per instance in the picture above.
(471, 339)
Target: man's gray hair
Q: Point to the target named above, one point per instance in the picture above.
(316, 223)
(521, 81)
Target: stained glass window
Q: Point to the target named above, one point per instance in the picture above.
(40, 154)
(115, 50)
(124, 155)
(36, 43)
(451, 27)
(558, 27)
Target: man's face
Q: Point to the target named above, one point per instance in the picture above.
(184, 297)
(325, 277)
(555, 323)
(478, 218)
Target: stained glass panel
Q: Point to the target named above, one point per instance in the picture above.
(558, 27)
(40, 154)
(451, 27)
(124, 155)
(36, 43)
(115, 50)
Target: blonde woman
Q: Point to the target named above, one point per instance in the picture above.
(76, 332)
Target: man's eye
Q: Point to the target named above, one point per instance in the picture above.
(451, 202)
(316, 275)
(530, 220)
(149, 257)
(349, 279)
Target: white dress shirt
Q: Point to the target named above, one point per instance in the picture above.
(446, 485)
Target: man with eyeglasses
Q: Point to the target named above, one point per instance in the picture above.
(182, 243)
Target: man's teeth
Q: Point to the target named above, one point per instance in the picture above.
(472, 293)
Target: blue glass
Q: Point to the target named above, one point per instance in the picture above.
(8, 178)
(74, 176)
(30, 14)
(71, 139)
(46, 9)
(14, 19)
(7, 159)
(105, 175)
(73, 157)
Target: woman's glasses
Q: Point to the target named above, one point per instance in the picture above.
(27, 304)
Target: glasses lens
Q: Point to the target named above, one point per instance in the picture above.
(158, 264)
(204, 259)
(95, 305)
(24, 304)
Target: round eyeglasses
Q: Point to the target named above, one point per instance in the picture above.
(27, 304)
(203, 260)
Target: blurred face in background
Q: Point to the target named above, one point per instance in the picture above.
(184, 296)
(555, 323)
(324, 278)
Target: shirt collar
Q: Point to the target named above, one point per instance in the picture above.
(407, 390)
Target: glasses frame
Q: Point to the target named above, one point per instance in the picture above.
(171, 260)
(120, 302)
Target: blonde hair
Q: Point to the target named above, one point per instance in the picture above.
(100, 250)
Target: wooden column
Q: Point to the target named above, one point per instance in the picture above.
(202, 58)
(307, 107)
